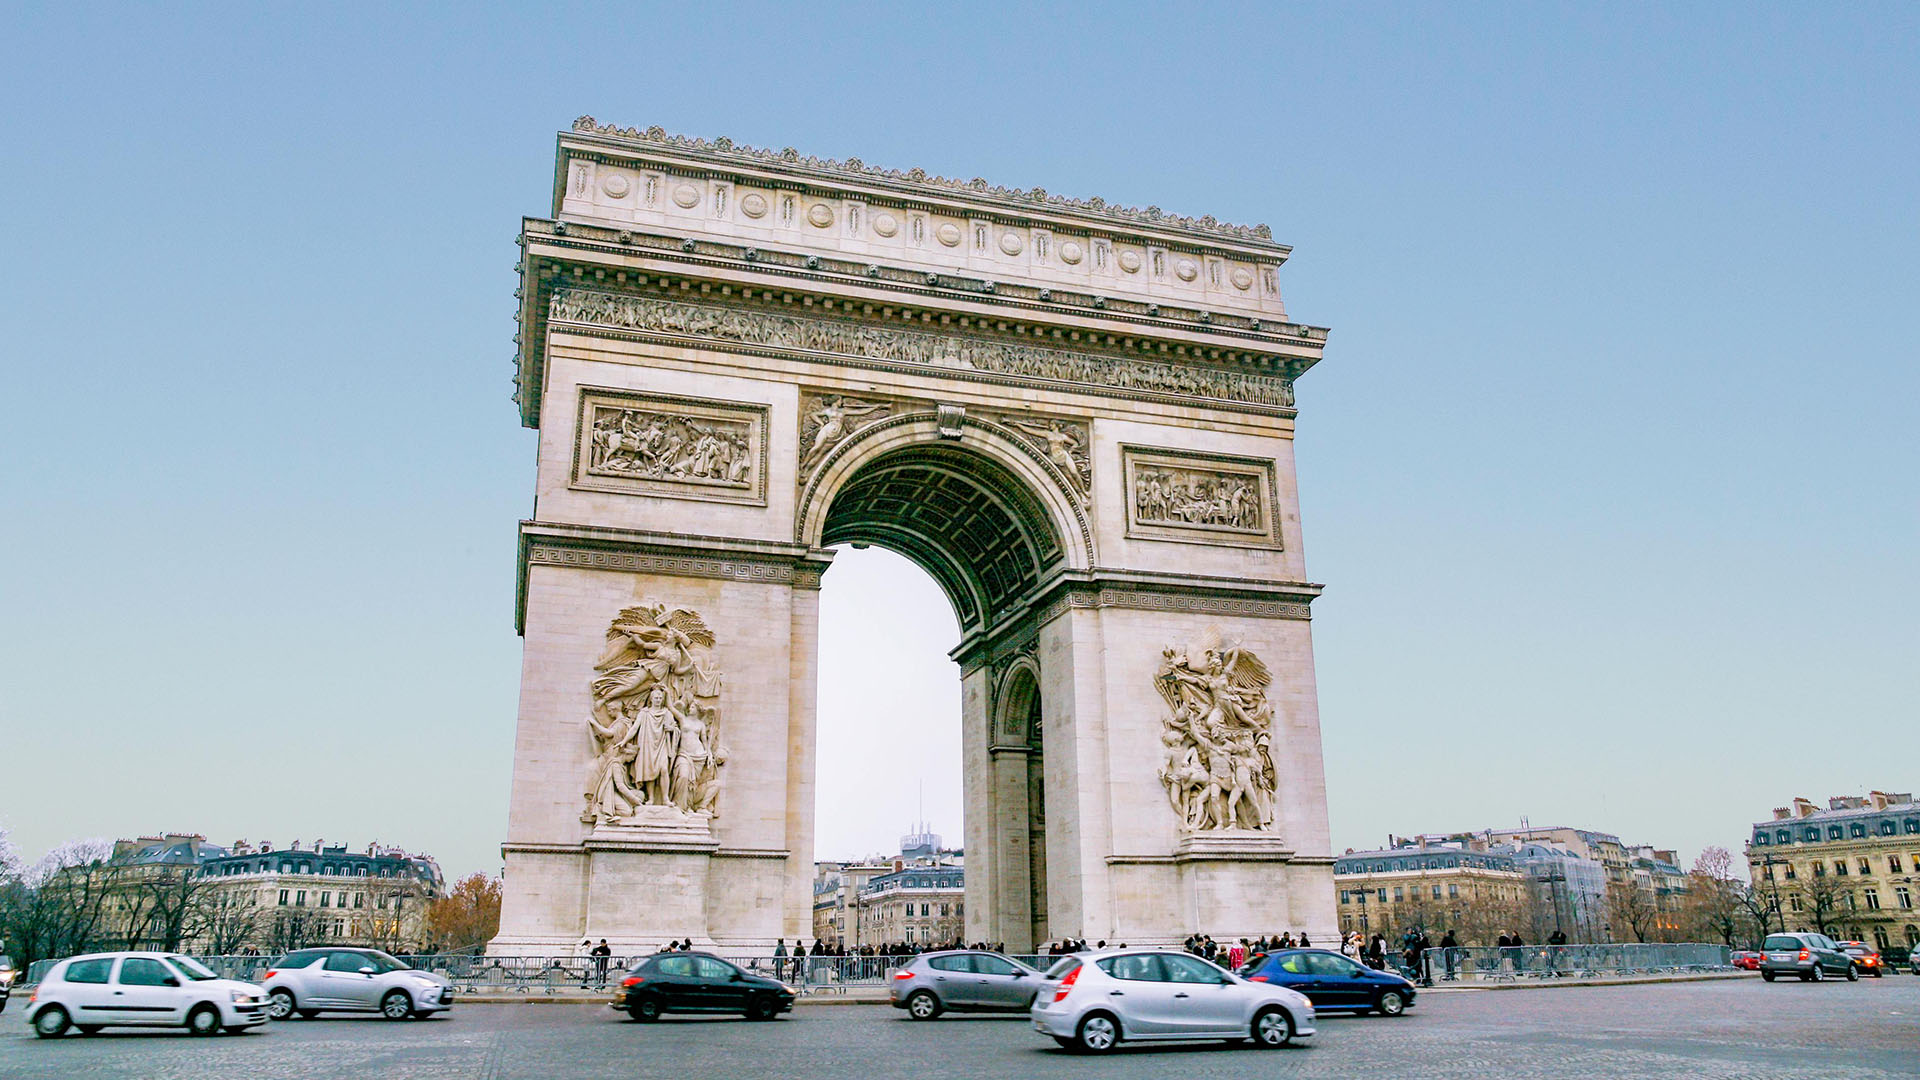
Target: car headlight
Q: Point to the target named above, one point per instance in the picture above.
(238, 996)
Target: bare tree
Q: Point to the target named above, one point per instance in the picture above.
(225, 921)
(1822, 898)
(1716, 898)
(1631, 908)
(173, 901)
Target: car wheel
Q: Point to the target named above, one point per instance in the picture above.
(1392, 1003)
(646, 1009)
(1818, 974)
(204, 1020)
(1853, 973)
(396, 1005)
(51, 1023)
(1097, 1033)
(760, 1008)
(1767, 975)
(1272, 1028)
(923, 1005)
(280, 1005)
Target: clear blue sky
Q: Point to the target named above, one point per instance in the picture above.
(1610, 469)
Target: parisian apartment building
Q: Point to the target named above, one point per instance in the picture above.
(1850, 869)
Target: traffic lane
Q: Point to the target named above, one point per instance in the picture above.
(1746, 1028)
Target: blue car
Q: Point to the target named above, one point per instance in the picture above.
(1332, 982)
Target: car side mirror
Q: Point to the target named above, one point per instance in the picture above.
(366, 971)
(169, 981)
(1019, 974)
(737, 977)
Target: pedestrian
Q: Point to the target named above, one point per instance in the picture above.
(1304, 943)
(602, 954)
(1519, 952)
(1237, 955)
(1449, 950)
(800, 962)
(1377, 952)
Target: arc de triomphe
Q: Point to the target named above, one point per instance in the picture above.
(1077, 417)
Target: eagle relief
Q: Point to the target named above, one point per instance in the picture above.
(654, 718)
(1217, 736)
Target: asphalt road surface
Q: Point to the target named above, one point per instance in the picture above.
(1738, 1028)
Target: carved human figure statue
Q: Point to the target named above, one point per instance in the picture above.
(1217, 736)
(834, 416)
(653, 717)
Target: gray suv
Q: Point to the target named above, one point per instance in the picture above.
(1812, 957)
(310, 981)
(963, 980)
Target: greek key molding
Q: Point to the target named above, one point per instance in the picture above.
(1183, 603)
(866, 344)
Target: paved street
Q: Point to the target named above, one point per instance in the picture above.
(1746, 1029)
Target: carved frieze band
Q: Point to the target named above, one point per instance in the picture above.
(1203, 498)
(772, 573)
(868, 343)
(657, 444)
(1183, 603)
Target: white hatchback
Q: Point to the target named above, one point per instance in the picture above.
(145, 989)
(1095, 1000)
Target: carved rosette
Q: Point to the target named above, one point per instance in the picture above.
(655, 720)
(1217, 737)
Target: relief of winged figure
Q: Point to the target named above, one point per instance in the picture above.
(1064, 448)
(1217, 736)
(836, 417)
(652, 716)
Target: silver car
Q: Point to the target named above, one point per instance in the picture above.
(1095, 1000)
(964, 980)
(311, 981)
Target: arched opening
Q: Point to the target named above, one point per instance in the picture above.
(991, 543)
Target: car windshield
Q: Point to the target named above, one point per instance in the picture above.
(382, 963)
(193, 969)
(1782, 941)
(1857, 950)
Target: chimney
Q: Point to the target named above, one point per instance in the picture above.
(1802, 807)
(1877, 799)
(1781, 813)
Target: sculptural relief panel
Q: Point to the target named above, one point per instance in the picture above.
(655, 444)
(1065, 443)
(827, 420)
(1202, 498)
(654, 717)
(1217, 737)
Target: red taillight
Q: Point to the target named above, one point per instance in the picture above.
(1257, 978)
(633, 980)
(1805, 955)
(903, 974)
(271, 972)
(1066, 984)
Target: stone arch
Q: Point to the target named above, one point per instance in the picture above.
(987, 515)
(1016, 704)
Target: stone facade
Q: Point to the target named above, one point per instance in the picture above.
(1078, 418)
(1477, 894)
(1850, 869)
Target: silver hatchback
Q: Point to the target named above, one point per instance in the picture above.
(1092, 1001)
(311, 981)
(963, 980)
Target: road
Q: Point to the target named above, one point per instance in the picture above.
(1742, 1028)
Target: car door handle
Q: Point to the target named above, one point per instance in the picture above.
(117, 993)
(1181, 994)
(1116, 993)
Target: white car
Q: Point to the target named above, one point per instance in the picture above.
(309, 981)
(146, 989)
(1095, 1000)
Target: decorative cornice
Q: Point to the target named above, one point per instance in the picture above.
(847, 342)
(726, 150)
(1183, 603)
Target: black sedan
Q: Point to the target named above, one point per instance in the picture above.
(691, 982)
(1333, 982)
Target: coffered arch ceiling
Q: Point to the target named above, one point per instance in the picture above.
(961, 516)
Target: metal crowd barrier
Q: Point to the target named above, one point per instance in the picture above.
(1548, 962)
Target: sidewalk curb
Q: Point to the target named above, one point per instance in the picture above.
(1552, 984)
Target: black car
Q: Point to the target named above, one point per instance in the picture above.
(691, 982)
(1332, 982)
